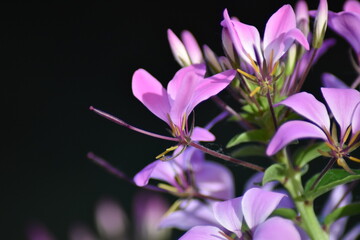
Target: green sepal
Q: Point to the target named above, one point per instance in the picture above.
(309, 153)
(348, 210)
(330, 180)
(275, 172)
(257, 135)
(249, 151)
(288, 213)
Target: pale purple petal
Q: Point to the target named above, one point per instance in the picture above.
(192, 213)
(346, 24)
(352, 6)
(276, 228)
(258, 204)
(356, 120)
(215, 180)
(211, 86)
(202, 134)
(342, 103)
(178, 49)
(291, 131)
(203, 233)
(150, 92)
(142, 178)
(354, 233)
(331, 81)
(229, 214)
(282, 21)
(192, 47)
(309, 107)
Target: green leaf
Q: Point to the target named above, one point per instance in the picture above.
(348, 210)
(309, 153)
(288, 213)
(275, 172)
(331, 179)
(257, 135)
(249, 151)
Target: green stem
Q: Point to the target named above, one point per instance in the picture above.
(308, 219)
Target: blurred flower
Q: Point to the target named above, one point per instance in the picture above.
(344, 105)
(254, 208)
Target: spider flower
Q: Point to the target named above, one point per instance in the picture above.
(184, 92)
(189, 174)
(263, 55)
(254, 207)
(344, 105)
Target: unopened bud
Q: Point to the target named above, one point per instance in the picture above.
(320, 24)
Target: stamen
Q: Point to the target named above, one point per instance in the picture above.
(253, 64)
(175, 206)
(354, 159)
(254, 91)
(275, 68)
(271, 58)
(331, 146)
(167, 187)
(170, 149)
(353, 138)
(252, 77)
(225, 236)
(325, 154)
(341, 162)
(334, 134)
(347, 134)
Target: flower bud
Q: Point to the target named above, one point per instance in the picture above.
(178, 49)
(302, 17)
(212, 59)
(320, 24)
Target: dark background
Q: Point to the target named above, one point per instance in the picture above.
(60, 58)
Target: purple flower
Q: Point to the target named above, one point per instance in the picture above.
(344, 106)
(280, 33)
(188, 174)
(184, 92)
(254, 207)
(346, 24)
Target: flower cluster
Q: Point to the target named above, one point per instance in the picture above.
(278, 121)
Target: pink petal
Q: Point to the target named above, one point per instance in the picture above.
(211, 86)
(203, 233)
(178, 49)
(308, 106)
(229, 214)
(346, 24)
(356, 120)
(342, 103)
(150, 92)
(331, 81)
(282, 21)
(202, 134)
(291, 131)
(192, 47)
(219, 185)
(276, 228)
(142, 178)
(258, 204)
(191, 213)
(352, 6)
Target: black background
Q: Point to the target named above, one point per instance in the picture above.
(60, 58)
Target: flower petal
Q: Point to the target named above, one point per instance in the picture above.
(282, 21)
(192, 47)
(276, 228)
(191, 213)
(291, 131)
(352, 6)
(202, 134)
(150, 92)
(354, 233)
(331, 81)
(211, 86)
(346, 25)
(356, 120)
(308, 106)
(203, 233)
(229, 214)
(342, 103)
(258, 204)
(219, 185)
